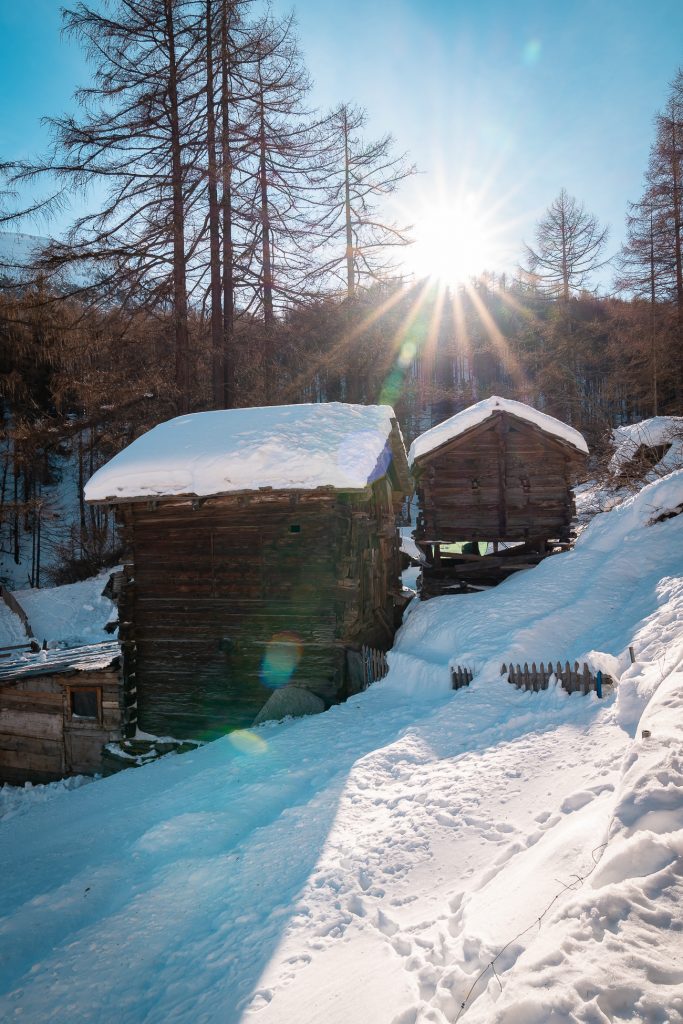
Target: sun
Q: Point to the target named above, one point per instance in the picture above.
(454, 241)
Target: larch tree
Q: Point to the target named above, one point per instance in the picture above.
(651, 260)
(664, 182)
(281, 148)
(569, 246)
(357, 237)
(134, 138)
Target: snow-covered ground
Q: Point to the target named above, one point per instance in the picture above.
(72, 615)
(414, 855)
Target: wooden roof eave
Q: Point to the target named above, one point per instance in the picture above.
(189, 496)
(484, 426)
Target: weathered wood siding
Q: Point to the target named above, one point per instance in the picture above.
(503, 480)
(40, 740)
(217, 585)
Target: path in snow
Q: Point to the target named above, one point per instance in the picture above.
(206, 886)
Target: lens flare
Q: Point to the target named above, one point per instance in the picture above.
(282, 656)
(407, 354)
(531, 52)
(247, 742)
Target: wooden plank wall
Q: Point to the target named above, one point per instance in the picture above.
(504, 480)
(40, 742)
(215, 583)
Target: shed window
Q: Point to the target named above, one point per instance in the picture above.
(295, 528)
(85, 704)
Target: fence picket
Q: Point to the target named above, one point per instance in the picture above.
(375, 665)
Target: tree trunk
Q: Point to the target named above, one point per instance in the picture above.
(266, 254)
(217, 351)
(350, 276)
(182, 342)
(678, 244)
(228, 397)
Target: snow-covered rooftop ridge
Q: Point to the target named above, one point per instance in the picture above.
(476, 414)
(287, 447)
(650, 433)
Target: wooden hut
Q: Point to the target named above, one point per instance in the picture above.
(495, 474)
(263, 551)
(58, 710)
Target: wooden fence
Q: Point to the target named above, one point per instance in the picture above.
(460, 676)
(573, 680)
(375, 665)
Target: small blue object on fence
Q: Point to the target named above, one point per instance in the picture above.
(573, 680)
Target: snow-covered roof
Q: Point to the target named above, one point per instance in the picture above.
(89, 658)
(475, 414)
(288, 447)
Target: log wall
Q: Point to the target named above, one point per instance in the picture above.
(504, 480)
(233, 595)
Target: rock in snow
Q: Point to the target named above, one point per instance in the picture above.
(290, 701)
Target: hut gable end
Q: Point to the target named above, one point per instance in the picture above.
(497, 474)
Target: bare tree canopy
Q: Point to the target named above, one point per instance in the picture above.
(569, 245)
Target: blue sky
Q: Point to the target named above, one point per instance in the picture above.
(505, 101)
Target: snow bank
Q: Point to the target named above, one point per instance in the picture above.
(11, 627)
(73, 614)
(610, 949)
(283, 447)
(476, 414)
(15, 800)
(650, 433)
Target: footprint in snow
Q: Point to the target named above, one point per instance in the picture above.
(385, 924)
(355, 905)
(292, 966)
(259, 999)
(402, 945)
(575, 801)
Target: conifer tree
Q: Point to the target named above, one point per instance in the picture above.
(357, 237)
(569, 246)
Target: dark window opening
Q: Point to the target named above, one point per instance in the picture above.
(295, 528)
(84, 704)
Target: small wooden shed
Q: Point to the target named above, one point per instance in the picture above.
(499, 471)
(262, 549)
(58, 709)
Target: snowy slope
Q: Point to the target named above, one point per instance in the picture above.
(658, 430)
(73, 614)
(415, 855)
